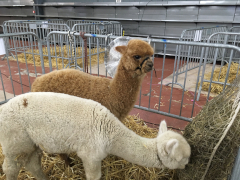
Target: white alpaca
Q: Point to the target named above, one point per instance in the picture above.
(60, 123)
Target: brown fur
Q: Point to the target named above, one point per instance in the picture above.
(118, 94)
(25, 103)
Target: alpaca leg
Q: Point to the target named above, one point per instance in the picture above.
(11, 168)
(34, 165)
(92, 169)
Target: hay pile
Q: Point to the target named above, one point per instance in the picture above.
(204, 133)
(113, 168)
(218, 88)
(60, 52)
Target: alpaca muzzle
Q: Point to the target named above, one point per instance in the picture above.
(148, 66)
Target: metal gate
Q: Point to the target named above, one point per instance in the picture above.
(40, 28)
(23, 45)
(193, 35)
(163, 101)
(117, 27)
(224, 56)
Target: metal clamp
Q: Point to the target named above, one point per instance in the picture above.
(149, 39)
(106, 38)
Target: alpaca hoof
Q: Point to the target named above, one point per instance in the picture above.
(148, 66)
(69, 162)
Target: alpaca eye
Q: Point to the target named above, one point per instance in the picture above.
(137, 57)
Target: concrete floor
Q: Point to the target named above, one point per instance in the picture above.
(191, 78)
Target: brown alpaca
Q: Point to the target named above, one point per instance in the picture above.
(118, 94)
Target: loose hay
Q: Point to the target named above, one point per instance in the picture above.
(59, 54)
(113, 168)
(218, 88)
(204, 132)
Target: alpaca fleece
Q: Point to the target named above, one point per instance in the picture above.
(28, 126)
(119, 94)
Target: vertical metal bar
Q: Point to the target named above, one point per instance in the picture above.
(195, 92)
(149, 101)
(49, 53)
(175, 62)
(189, 49)
(20, 77)
(229, 65)
(98, 54)
(214, 63)
(238, 68)
(3, 85)
(203, 72)
(41, 56)
(10, 74)
(62, 50)
(75, 54)
(54, 42)
(223, 57)
(179, 57)
(83, 55)
(26, 62)
(164, 57)
(90, 55)
(32, 48)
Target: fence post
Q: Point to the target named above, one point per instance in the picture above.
(85, 50)
(41, 56)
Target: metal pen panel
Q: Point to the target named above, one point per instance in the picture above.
(67, 50)
(17, 73)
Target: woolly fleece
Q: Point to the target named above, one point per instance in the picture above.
(118, 94)
(73, 124)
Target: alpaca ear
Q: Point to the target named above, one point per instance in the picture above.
(179, 157)
(121, 49)
(162, 127)
(171, 145)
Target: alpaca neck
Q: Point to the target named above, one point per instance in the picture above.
(127, 77)
(136, 149)
(125, 87)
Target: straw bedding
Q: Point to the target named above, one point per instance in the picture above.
(58, 54)
(204, 133)
(113, 168)
(218, 88)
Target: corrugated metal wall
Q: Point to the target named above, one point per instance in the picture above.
(165, 19)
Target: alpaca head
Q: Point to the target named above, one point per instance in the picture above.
(173, 149)
(136, 57)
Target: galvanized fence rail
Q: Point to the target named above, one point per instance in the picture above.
(200, 34)
(103, 28)
(40, 28)
(72, 54)
(232, 38)
(235, 29)
(56, 49)
(115, 28)
(224, 56)
(11, 77)
(193, 35)
(71, 22)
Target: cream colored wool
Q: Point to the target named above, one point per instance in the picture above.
(29, 126)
